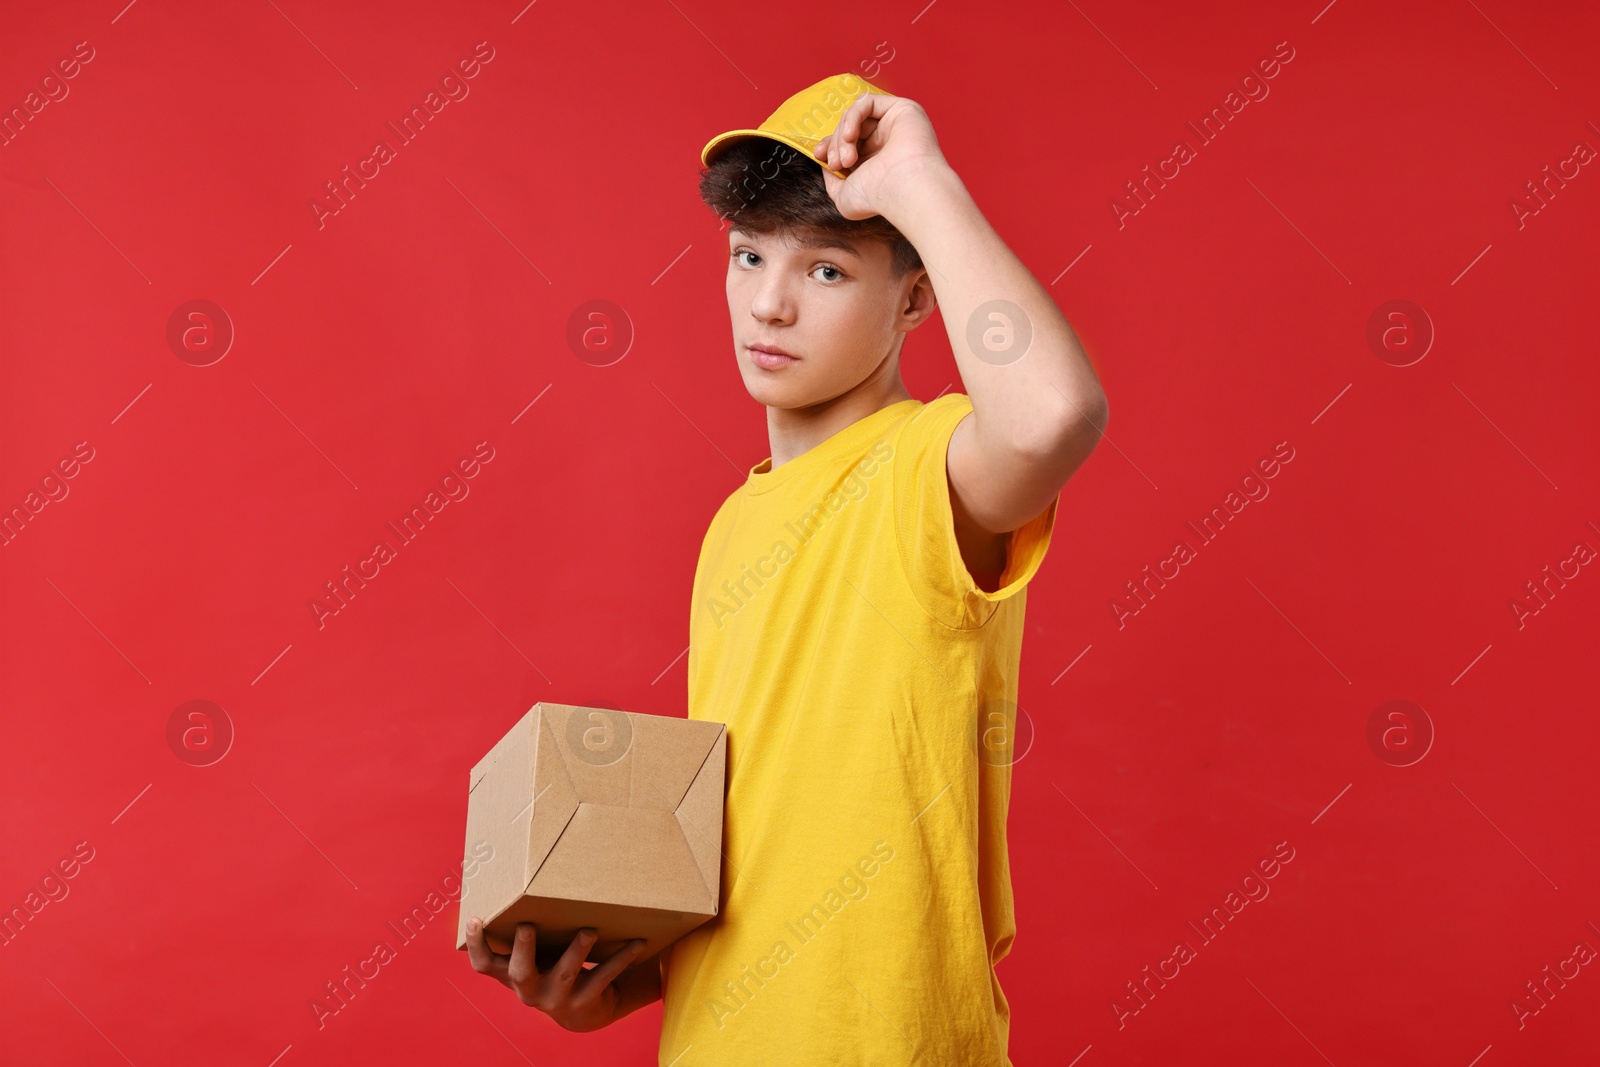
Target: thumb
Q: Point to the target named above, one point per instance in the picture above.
(834, 185)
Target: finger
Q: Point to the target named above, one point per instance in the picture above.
(521, 970)
(869, 134)
(600, 976)
(851, 128)
(484, 960)
(863, 111)
(567, 968)
(844, 132)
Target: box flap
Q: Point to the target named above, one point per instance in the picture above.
(597, 748)
(601, 813)
(670, 753)
(552, 799)
(631, 856)
(700, 815)
(504, 811)
(510, 739)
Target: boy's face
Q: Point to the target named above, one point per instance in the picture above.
(833, 304)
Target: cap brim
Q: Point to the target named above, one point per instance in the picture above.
(716, 144)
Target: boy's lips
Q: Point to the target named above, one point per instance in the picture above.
(770, 356)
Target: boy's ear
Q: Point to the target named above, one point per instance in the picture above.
(921, 301)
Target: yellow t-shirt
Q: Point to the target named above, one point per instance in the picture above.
(869, 690)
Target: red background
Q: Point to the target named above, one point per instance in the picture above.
(373, 353)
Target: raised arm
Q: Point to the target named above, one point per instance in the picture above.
(1037, 406)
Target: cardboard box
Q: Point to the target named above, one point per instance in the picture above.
(597, 818)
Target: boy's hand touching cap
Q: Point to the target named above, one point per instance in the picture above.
(882, 141)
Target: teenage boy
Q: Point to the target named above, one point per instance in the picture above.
(857, 612)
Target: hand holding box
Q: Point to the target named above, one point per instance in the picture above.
(602, 819)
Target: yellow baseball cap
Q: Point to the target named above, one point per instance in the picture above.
(803, 120)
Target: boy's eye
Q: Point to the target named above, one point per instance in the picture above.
(836, 273)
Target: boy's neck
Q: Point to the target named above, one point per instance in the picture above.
(793, 432)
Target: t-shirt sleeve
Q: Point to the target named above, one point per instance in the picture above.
(925, 523)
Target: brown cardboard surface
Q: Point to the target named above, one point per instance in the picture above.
(597, 818)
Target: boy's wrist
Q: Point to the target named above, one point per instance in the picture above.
(915, 176)
(637, 986)
(921, 192)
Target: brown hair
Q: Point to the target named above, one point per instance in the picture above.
(764, 186)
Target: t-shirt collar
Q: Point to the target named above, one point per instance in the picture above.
(763, 478)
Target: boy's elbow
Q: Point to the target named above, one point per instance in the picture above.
(1079, 427)
(1097, 413)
